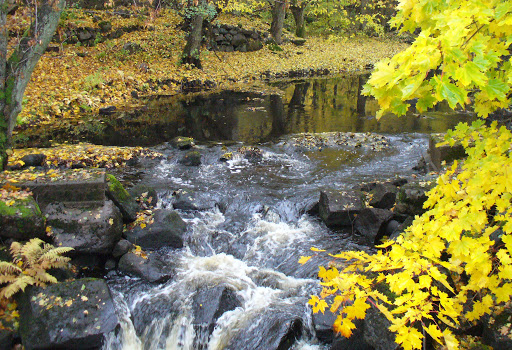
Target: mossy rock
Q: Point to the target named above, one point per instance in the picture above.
(121, 198)
(182, 142)
(21, 219)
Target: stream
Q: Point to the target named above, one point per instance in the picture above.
(250, 223)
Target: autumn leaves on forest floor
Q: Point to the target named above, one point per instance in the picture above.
(78, 80)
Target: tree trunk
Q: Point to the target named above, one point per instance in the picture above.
(193, 46)
(298, 16)
(15, 71)
(278, 14)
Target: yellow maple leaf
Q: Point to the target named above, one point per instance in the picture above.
(304, 259)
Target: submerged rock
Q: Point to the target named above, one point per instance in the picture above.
(209, 305)
(166, 231)
(191, 158)
(70, 315)
(151, 267)
(339, 208)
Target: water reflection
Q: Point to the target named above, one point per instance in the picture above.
(304, 106)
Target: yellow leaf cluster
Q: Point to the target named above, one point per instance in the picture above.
(452, 264)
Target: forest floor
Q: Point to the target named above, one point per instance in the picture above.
(76, 80)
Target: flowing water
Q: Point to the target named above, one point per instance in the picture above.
(253, 225)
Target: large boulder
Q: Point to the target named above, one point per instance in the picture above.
(340, 208)
(187, 200)
(383, 196)
(92, 230)
(166, 230)
(21, 219)
(69, 315)
(121, 198)
(150, 267)
(279, 331)
(370, 224)
(209, 305)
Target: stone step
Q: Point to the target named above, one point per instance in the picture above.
(84, 186)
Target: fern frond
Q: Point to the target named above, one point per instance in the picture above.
(55, 254)
(15, 248)
(9, 268)
(4, 279)
(32, 251)
(19, 285)
(44, 278)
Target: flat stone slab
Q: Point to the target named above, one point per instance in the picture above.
(340, 208)
(61, 186)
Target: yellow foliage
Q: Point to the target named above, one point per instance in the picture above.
(30, 263)
(423, 269)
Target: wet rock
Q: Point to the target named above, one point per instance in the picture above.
(93, 230)
(383, 196)
(151, 268)
(276, 330)
(105, 26)
(144, 194)
(226, 157)
(121, 248)
(209, 305)
(186, 200)
(107, 110)
(411, 196)
(191, 158)
(339, 208)
(323, 325)
(166, 231)
(252, 154)
(34, 159)
(110, 265)
(69, 315)
(22, 220)
(376, 331)
(121, 198)
(370, 224)
(355, 342)
(401, 228)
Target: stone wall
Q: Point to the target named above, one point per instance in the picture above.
(227, 38)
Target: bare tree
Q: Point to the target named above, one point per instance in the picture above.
(16, 70)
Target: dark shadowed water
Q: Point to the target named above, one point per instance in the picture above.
(252, 226)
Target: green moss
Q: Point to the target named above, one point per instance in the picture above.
(23, 208)
(115, 187)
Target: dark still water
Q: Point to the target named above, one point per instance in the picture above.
(299, 106)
